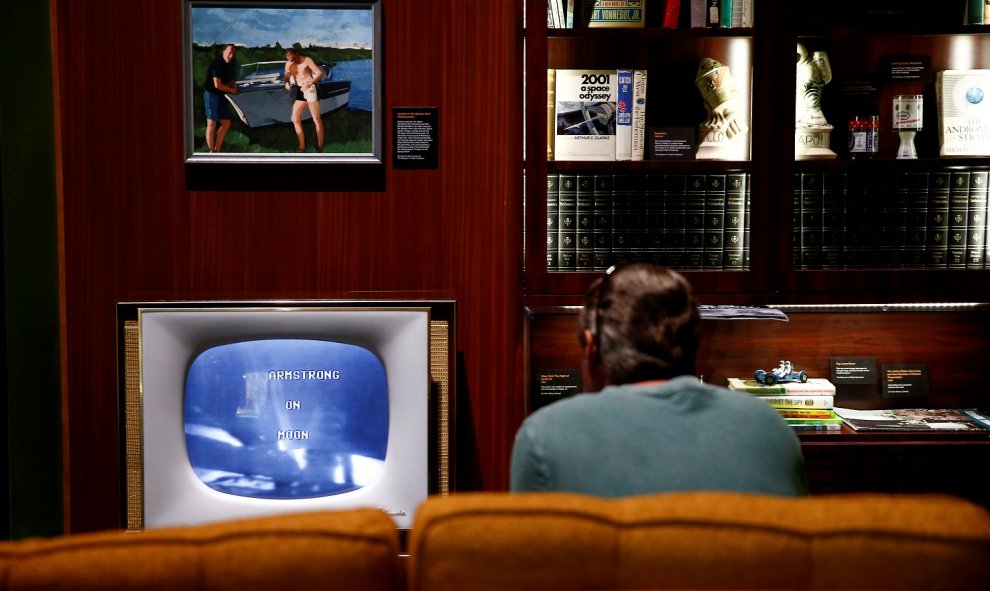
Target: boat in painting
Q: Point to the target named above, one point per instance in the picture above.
(265, 101)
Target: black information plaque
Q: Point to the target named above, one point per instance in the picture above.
(854, 370)
(905, 380)
(414, 130)
(671, 143)
(551, 385)
(908, 68)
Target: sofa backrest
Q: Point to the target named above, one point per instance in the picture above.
(703, 540)
(355, 550)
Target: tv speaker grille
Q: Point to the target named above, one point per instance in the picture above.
(440, 375)
(132, 426)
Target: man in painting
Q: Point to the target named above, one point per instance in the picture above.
(219, 81)
(303, 73)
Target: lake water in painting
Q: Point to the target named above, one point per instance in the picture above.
(360, 73)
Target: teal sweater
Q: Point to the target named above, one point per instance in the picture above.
(673, 436)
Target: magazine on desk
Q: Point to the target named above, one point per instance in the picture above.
(915, 419)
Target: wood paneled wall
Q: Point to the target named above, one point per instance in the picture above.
(131, 231)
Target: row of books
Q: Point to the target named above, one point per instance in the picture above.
(811, 406)
(596, 114)
(922, 219)
(675, 14)
(683, 221)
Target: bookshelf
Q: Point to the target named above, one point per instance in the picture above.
(859, 45)
(853, 309)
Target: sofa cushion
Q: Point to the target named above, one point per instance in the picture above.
(702, 540)
(356, 549)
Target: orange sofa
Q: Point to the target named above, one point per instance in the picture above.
(492, 541)
(704, 540)
(357, 550)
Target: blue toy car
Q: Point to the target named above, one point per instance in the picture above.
(781, 374)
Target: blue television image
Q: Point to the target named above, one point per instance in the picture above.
(279, 418)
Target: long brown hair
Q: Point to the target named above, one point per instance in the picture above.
(644, 322)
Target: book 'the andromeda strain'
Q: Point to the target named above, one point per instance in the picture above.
(963, 112)
(585, 115)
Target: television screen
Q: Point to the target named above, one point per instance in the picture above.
(234, 410)
(286, 418)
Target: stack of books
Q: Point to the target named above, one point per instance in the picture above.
(804, 406)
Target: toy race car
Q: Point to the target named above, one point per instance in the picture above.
(781, 374)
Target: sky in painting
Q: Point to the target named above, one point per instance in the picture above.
(258, 27)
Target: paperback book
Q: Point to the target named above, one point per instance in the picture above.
(585, 115)
(915, 419)
(617, 13)
(963, 112)
(799, 401)
(806, 413)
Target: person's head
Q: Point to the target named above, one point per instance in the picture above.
(291, 54)
(639, 323)
(228, 53)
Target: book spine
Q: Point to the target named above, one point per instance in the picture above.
(554, 20)
(824, 402)
(551, 110)
(958, 218)
(894, 221)
(977, 220)
(694, 229)
(585, 217)
(805, 413)
(833, 196)
(655, 217)
(623, 114)
(671, 13)
(835, 427)
(674, 220)
(713, 18)
(699, 14)
(715, 194)
(796, 221)
(975, 12)
(639, 115)
(734, 222)
(811, 220)
(638, 202)
(567, 224)
(618, 13)
(553, 216)
(725, 10)
(915, 237)
(936, 233)
(620, 218)
(602, 208)
(749, 216)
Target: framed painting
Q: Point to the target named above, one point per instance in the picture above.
(274, 85)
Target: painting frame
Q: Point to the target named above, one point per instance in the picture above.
(264, 127)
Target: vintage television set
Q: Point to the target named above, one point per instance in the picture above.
(242, 409)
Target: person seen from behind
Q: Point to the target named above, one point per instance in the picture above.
(646, 424)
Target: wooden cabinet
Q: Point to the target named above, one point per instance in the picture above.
(881, 306)
(861, 42)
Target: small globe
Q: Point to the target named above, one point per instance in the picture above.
(974, 95)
